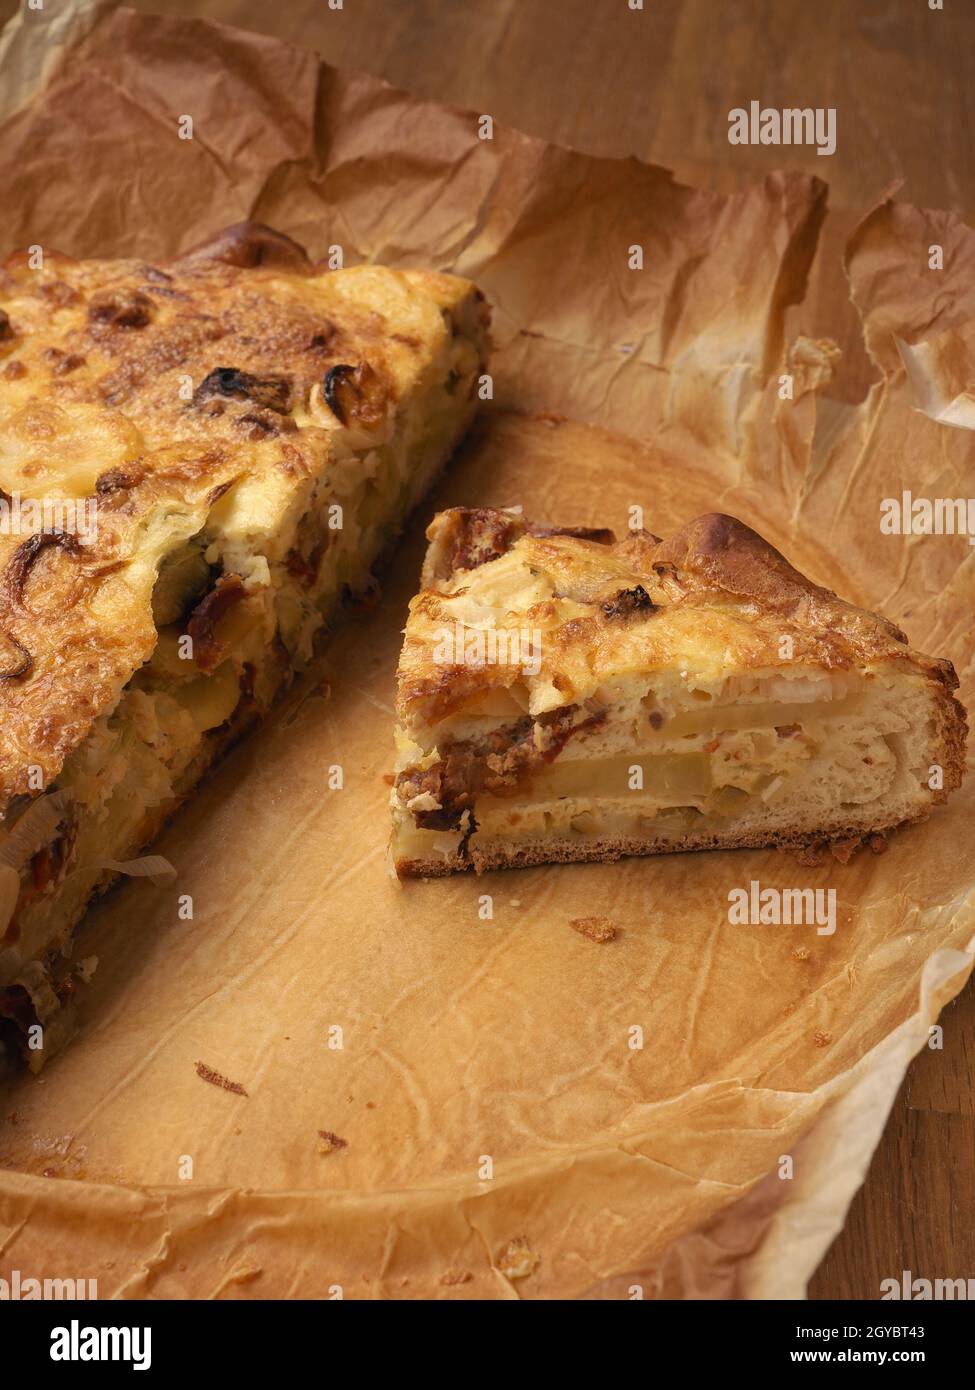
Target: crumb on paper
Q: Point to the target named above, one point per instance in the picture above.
(811, 856)
(844, 850)
(330, 1142)
(878, 843)
(456, 1276)
(802, 953)
(389, 778)
(596, 928)
(206, 1073)
(517, 1260)
(86, 968)
(821, 1038)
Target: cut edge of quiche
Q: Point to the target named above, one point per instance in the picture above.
(254, 430)
(564, 696)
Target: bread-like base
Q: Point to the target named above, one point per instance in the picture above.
(529, 853)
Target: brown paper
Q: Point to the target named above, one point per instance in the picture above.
(503, 1137)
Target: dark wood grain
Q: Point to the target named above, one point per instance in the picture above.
(914, 1212)
(658, 84)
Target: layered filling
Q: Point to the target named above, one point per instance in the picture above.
(727, 762)
(237, 610)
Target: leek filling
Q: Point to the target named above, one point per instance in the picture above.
(140, 760)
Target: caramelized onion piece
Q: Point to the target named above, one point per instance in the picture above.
(270, 393)
(26, 664)
(628, 602)
(464, 538)
(24, 559)
(226, 594)
(117, 480)
(355, 395)
(260, 422)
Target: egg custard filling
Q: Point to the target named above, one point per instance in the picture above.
(249, 432)
(691, 694)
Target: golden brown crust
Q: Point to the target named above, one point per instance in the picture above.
(713, 601)
(598, 929)
(157, 390)
(715, 587)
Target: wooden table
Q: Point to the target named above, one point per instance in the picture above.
(659, 84)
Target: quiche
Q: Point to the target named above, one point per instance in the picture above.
(199, 463)
(564, 695)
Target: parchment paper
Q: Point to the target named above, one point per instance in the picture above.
(502, 1136)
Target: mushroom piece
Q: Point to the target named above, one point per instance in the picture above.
(356, 395)
(271, 393)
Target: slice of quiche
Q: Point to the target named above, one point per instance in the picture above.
(566, 696)
(198, 462)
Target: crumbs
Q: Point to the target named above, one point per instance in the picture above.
(811, 856)
(331, 1143)
(844, 850)
(595, 928)
(517, 1260)
(206, 1073)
